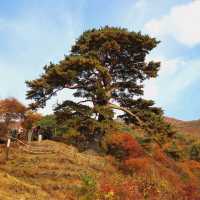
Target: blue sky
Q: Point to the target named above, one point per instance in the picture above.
(35, 32)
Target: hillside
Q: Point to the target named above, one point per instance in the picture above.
(66, 174)
(51, 176)
(187, 127)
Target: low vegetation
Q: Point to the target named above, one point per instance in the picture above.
(125, 171)
(99, 154)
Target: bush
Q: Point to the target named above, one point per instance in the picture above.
(174, 152)
(162, 158)
(119, 189)
(132, 165)
(88, 189)
(123, 146)
(146, 142)
(195, 152)
(191, 192)
(128, 190)
(154, 186)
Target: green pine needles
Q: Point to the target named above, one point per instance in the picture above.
(106, 69)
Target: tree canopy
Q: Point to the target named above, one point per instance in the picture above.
(30, 119)
(107, 68)
(11, 109)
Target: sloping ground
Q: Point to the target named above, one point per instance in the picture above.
(67, 174)
(187, 127)
(47, 176)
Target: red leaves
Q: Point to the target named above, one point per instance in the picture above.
(191, 192)
(122, 189)
(136, 164)
(106, 186)
(123, 146)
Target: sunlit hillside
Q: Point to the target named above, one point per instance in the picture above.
(62, 173)
(187, 127)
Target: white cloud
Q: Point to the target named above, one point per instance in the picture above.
(168, 68)
(182, 23)
(175, 77)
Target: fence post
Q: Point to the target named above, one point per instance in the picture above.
(8, 148)
(39, 138)
(29, 136)
(55, 133)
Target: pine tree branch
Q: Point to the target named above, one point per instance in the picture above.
(80, 102)
(127, 111)
(50, 95)
(72, 86)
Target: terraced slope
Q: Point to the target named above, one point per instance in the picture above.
(66, 174)
(50, 176)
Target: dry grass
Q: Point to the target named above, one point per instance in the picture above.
(48, 176)
(59, 176)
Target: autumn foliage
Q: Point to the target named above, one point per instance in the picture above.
(11, 109)
(106, 69)
(123, 146)
(191, 192)
(30, 118)
(121, 189)
(14, 112)
(133, 165)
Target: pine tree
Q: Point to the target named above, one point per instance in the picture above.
(106, 68)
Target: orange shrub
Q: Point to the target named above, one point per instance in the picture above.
(162, 158)
(191, 192)
(123, 146)
(128, 190)
(136, 165)
(193, 165)
(123, 189)
(106, 185)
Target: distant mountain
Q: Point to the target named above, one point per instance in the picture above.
(187, 127)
